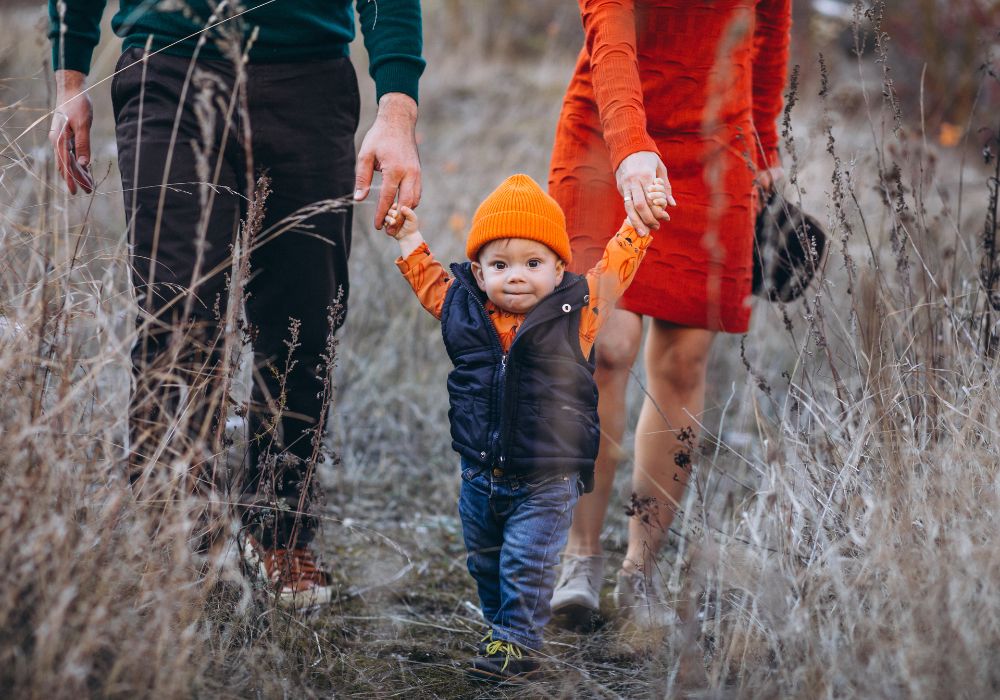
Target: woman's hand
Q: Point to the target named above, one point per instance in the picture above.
(635, 174)
(656, 195)
(767, 179)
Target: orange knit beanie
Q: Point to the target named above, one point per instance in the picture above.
(519, 208)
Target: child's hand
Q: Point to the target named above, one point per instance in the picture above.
(401, 222)
(656, 197)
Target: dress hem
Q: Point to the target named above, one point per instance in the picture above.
(688, 317)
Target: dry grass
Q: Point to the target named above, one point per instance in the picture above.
(840, 538)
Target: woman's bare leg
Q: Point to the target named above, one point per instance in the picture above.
(617, 347)
(676, 359)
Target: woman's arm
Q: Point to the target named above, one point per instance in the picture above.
(609, 29)
(772, 35)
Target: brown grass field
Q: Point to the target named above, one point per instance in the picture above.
(839, 539)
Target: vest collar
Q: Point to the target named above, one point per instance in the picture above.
(571, 295)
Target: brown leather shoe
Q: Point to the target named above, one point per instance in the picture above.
(296, 580)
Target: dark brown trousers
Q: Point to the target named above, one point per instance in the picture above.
(187, 151)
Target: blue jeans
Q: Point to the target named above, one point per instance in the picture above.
(514, 529)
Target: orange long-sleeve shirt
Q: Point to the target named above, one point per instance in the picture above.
(607, 281)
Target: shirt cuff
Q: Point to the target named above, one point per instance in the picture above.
(628, 136)
(398, 76)
(70, 53)
(414, 259)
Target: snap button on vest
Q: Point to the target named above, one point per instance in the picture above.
(567, 308)
(586, 298)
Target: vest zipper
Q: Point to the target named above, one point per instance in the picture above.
(501, 436)
(495, 435)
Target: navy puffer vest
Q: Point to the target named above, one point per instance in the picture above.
(532, 411)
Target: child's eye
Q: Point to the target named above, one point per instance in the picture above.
(499, 265)
(534, 263)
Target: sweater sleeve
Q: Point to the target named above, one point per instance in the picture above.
(609, 31)
(609, 279)
(394, 40)
(772, 35)
(74, 30)
(427, 277)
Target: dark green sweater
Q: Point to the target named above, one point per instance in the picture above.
(288, 31)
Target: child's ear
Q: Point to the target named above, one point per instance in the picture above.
(477, 272)
(560, 269)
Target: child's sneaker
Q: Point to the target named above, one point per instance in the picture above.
(576, 601)
(293, 574)
(504, 661)
(483, 643)
(641, 601)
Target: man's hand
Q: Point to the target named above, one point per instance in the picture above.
(390, 147)
(635, 174)
(70, 130)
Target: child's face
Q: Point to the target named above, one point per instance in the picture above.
(517, 273)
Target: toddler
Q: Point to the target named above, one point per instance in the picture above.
(519, 329)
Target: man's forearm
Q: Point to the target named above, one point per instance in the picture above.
(70, 81)
(398, 108)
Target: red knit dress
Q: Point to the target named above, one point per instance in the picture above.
(700, 82)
